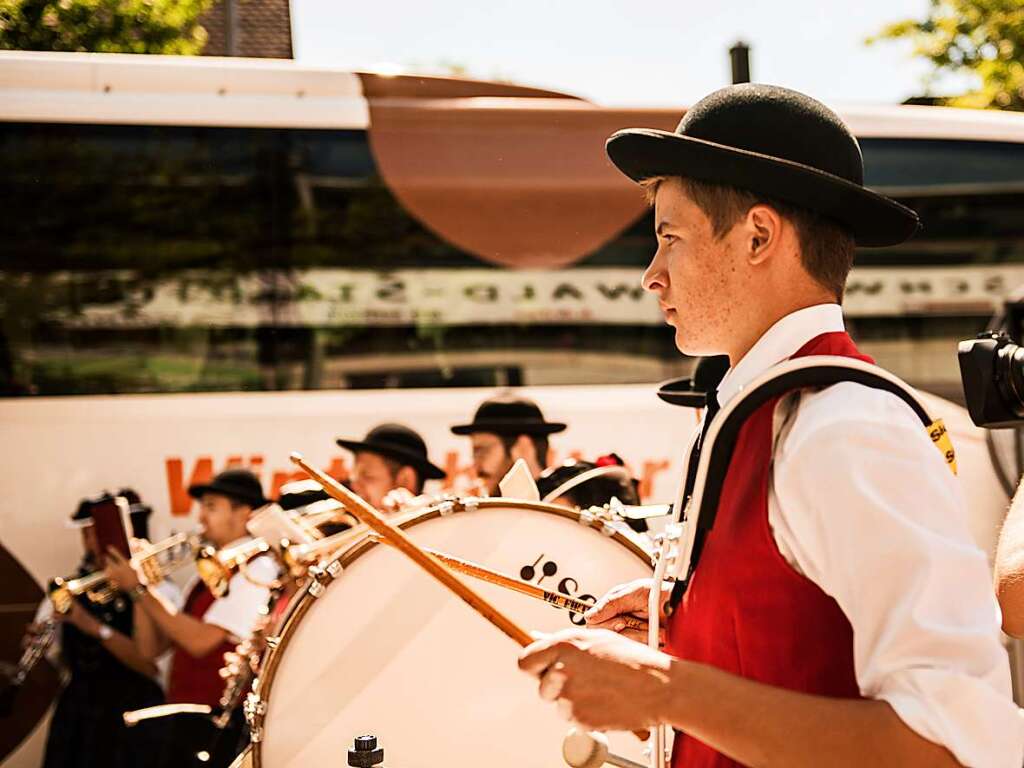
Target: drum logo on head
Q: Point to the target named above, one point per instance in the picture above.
(567, 586)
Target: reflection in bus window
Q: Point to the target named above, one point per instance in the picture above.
(184, 259)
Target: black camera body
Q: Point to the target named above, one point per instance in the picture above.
(992, 372)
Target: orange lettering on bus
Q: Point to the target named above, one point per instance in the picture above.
(338, 469)
(177, 488)
(651, 470)
(283, 478)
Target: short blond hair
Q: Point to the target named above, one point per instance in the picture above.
(826, 248)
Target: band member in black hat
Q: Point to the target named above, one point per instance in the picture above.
(205, 628)
(107, 674)
(836, 610)
(504, 429)
(391, 459)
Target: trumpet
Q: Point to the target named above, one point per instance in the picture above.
(291, 535)
(298, 557)
(155, 562)
(217, 567)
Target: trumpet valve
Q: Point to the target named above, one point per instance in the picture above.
(100, 596)
(151, 571)
(60, 596)
(215, 575)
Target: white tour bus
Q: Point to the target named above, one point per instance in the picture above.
(209, 262)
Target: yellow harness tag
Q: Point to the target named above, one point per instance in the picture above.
(940, 436)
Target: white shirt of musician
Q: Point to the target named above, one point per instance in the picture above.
(864, 505)
(247, 598)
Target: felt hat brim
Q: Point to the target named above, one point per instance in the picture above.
(426, 470)
(510, 427)
(238, 494)
(873, 219)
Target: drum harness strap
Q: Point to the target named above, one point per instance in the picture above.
(709, 456)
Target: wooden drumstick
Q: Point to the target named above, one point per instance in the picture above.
(370, 517)
(396, 537)
(490, 576)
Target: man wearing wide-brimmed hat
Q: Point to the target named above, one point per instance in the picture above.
(205, 627)
(391, 465)
(838, 612)
(506, 428)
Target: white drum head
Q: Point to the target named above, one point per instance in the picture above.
(387, 651)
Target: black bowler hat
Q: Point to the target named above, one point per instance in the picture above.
(509, 415)
(240, 485)
(693, 391)
(398, 442)
(774, 142)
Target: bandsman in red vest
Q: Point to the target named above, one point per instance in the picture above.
(838, 612)
(201, 631)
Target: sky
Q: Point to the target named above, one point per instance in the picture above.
(626, 52)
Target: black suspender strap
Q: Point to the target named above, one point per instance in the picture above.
(718, 440)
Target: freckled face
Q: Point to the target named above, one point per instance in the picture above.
(699, 280)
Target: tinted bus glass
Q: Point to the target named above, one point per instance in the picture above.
(171, 259)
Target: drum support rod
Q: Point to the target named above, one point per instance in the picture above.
(490, 576)
(366, 514)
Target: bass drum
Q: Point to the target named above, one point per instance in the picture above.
(376, 646)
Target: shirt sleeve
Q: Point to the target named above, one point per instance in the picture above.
(247, 599)
(865, 506)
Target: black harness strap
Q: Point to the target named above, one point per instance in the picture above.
(721, 445)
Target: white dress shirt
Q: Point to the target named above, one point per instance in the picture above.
(863, 504)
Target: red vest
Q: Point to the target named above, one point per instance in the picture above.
(746, 611)
(197, 680)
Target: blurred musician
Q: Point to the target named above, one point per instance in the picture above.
(205, 628)
(506, 428)
(106, 674)
(579, 483)
(391, 465)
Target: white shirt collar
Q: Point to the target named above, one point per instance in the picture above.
(781, 341)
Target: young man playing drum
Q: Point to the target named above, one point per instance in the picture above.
(838, 613)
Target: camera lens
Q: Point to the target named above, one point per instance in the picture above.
(1010, 377)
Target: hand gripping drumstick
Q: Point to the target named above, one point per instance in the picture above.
(397, 538)
(522, 587)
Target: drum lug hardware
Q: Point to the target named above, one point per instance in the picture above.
(317, 576)
(334, 568)
(471, 504)
(254, 709)
(587, 517)
(273, 641)
(673, 533)
(446, 507)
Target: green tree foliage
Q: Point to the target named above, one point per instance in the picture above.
(984, 38)
(104, 26)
